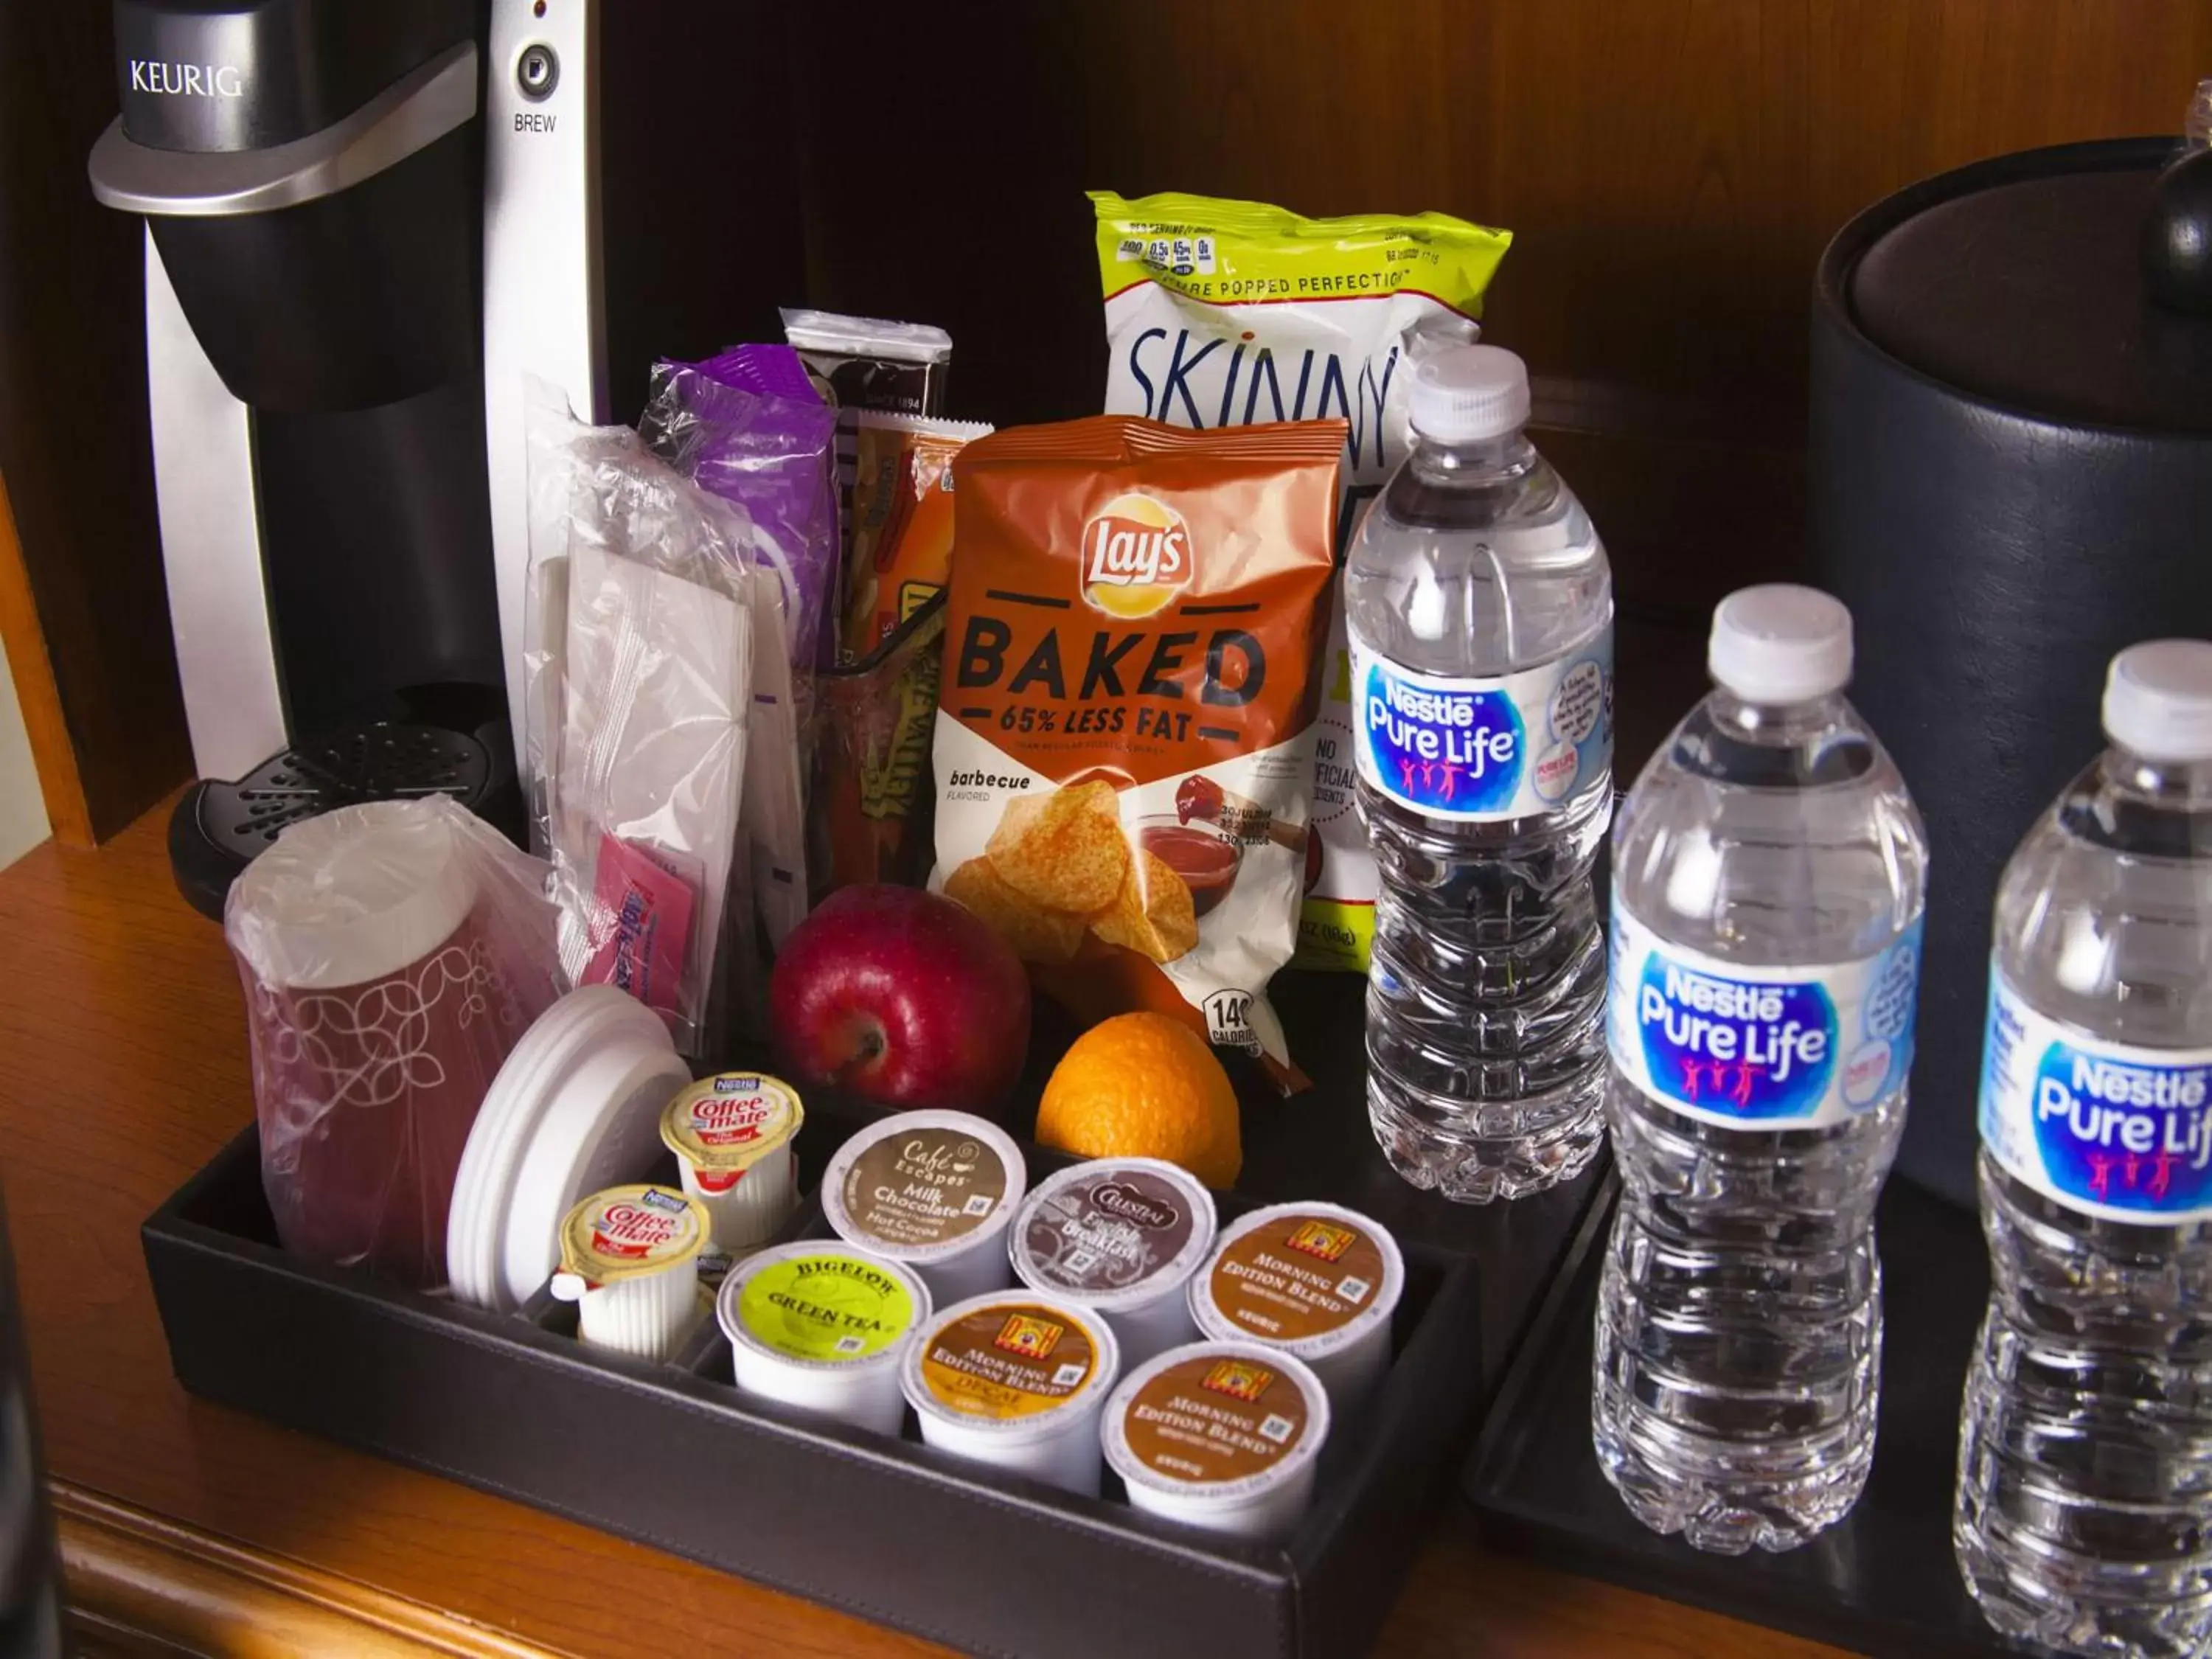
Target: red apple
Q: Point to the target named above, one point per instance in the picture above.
(901, 997)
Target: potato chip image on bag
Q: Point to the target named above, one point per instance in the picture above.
(1124, 743)
(1037, 932)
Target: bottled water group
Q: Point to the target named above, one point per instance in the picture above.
(1481, 614)
(1749, 1045)
(1769, 871)
(2084, 1517)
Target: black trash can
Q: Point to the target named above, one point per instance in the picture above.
(2011, 479)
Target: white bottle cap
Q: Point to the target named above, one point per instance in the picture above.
(1780, 643)
(1467, 393)
(2157, 700)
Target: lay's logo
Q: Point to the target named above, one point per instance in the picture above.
(1136, 557)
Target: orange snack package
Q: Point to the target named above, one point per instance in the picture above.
(902, 523)
(1124, 740)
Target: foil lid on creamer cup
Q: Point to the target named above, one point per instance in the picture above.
(1010, 1362)
(1114, 1233)
(723, 1125)
(1226, 1419)
(1312, 1277)
(924, 1186)
(628, 1232)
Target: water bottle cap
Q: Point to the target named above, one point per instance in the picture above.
(2157, 700)
(1781, 643)
(1467, 393)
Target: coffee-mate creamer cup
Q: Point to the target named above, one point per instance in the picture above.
(1234, 313)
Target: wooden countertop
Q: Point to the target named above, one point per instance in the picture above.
(123, 1068)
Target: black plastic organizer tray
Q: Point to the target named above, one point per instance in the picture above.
(672, 1457)
(1882, 1581)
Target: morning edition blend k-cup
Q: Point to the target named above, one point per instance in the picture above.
(1220, 1435)
(1316, 1280)
(1017, 1381)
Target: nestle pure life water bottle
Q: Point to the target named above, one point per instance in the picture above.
(1769, 871)
(1481, 614)
(2084, 1519)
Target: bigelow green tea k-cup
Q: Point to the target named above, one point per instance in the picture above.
(823, 1326)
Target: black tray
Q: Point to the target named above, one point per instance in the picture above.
(1882, 1580)
(672, 1457)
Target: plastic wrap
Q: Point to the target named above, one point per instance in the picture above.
(872, 802)
(392, 954)
(639, 680)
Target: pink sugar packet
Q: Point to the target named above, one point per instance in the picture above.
(647, 906)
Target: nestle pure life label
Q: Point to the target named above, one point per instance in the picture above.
(1473, 750)
(1744, 1046)
(2120, 1132)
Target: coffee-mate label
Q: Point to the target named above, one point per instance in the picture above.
(2108, 1130)
(1741, 1045)
(1474, 750)
(723, 1125)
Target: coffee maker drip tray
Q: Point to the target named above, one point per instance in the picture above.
(219, 827)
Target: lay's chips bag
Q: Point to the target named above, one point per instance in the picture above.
(1124, 717)
(1224, 313)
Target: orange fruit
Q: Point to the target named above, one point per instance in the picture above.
(1144, 1085)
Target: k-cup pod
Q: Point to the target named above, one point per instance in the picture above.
(1119, 1237)
(1016, 1382)
(824, 1327)
(1313, 1279)
(1220, 1435)
(731, 1135)
(630, 1260)
(934, 1191)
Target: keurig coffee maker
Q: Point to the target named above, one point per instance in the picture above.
(367, 226)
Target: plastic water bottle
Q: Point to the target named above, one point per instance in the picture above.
(1480, 615)
(2084, 1519)
(1769, 872)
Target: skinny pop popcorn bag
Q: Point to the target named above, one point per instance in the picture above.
(1226, 314)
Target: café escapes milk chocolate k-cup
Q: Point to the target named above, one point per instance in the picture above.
(1225, 313)
(1124, 743)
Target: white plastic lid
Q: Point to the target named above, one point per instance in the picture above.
(351, 896)
(1467, 393)
(2157, 700)
(1024, 1420)
(1277, 1364)
(576, 1109)
(1780, 643)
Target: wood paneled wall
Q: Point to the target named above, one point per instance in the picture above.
(1671, 169)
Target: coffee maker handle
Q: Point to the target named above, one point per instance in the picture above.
(410, 114)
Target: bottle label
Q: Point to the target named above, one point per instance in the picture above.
(1509, 747)
(1744, 1045)
(2108, 1130)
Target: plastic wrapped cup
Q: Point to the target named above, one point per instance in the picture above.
(1016, 1382)
(824, 1327)
(731, 1135)
(933, 1191)
(1315, 1279)
(1119, 1237)
(630, 1260)
(1220, 1435)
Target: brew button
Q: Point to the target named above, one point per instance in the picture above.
(538, 71)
